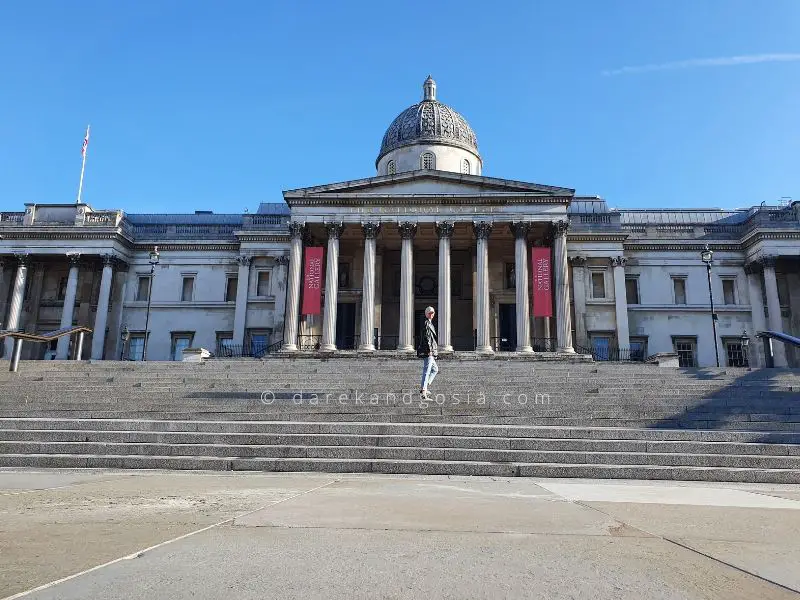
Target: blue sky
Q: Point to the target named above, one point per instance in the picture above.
(209, 105)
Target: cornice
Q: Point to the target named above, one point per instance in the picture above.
(693, 247)
(494, 199)
(244, 236)
(586, 236)
(142, 247)
(758, 236)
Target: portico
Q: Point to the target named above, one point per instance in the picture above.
(395, 244)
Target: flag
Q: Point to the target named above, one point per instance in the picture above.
(85, 142)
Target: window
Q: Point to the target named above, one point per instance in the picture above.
(62, 288)
(465, 166)
(427, 160)
(729, 291)
(180, 341)
(598, 285)
(638, 348)
(679, 290)
(736, 353)
(259, 340)
(632, 290)
(224, 342)
(143, 289)
(391, 168)
(601, 347)
(686, 348)
(187, 291)
(344, 276)
(511, 276)
(136, 346)
(231, 285)
(262, 283)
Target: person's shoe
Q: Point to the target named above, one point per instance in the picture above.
(424, 395)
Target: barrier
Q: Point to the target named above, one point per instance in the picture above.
(21, 336)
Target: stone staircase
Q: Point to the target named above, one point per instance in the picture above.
(489, 417)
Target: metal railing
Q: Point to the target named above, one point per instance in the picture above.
(502, 344)
(309, 342)
(544, 344)
(249, 350)
(613, 354)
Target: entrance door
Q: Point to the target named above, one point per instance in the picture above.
(346, 326)
(508, 328)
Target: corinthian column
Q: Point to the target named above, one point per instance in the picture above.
(331, 287)
(240, 312)
(371, 231)
(520, 230)
(296, 231)
(17, 298)
(101, 317)
(621, 302)
(407, 233)
(445, 231)
(774, 309)
(62, 346)
(482, 231)
(563, 324)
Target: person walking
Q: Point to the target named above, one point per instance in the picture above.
(428, 350)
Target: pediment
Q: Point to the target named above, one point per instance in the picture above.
(425, 183)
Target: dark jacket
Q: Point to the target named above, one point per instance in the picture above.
(428, 342)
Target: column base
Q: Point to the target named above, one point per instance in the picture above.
(484, 350)
(525, 349)
(447, 348)
(406, 349)
(566, 350)
(366, 348)
(289, 348)
(328, 348)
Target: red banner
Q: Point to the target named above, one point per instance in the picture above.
(541, 288)
(312, 281)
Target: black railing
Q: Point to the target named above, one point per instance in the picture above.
(309, 342)
(544, 344)
(348, 342)
(502, 344)
(387, 342)
(250, 350)
(613, 354)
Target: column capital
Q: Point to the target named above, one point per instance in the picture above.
(243, 261)
(74, 259)
(768, 262)
(370, 230)
(752, 268)
(296, 229)
(482, 229)
(560, 227)
(578, 261)
(334, 230)
(282, 260)
(444, 229)
(407, 230)
(108, 260)
(520, 229)
(23, 259)
(618, 261)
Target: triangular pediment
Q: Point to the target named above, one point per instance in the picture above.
(426, 183)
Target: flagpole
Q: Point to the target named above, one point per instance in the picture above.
(83, 163)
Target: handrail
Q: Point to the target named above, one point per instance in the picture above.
(767, 337)
(20, 336)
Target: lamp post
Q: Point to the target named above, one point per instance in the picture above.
(707, 256)
(153, 263)
(126, 335)
(745, 348)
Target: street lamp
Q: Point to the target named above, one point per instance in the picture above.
(126, 335)
(707, 256)
(745, 347)
(153, 263)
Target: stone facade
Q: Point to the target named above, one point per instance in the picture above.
(626, 283)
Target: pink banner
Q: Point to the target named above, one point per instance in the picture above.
(312, 278)
(541, 287)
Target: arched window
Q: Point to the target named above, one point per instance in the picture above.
(427, 160)
(391, 168)
(465, 166)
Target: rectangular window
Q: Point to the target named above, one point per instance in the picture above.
(729, 291)
(736, 353)
(632, 290)
(344, 276)
(511, 276)
(187, 291)
(136, 346)
(601, 347)
(231, 285)
(262, 284)
(224, 342)
(143, 288)
(259, 340)
(638, 349)
(686, 348)
(180, 341)
(679, 289)
(598, 285)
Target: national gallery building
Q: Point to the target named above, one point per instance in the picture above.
(510, 266)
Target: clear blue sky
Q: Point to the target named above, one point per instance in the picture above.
(222, 105)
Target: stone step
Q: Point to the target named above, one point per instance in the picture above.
(428, 467)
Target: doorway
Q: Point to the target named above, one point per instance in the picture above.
(507, 341)
(346, 326)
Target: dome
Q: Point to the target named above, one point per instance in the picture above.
(429, 121)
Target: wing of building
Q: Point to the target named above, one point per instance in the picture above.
(510, 266)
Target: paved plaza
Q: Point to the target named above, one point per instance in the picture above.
(109, 535)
